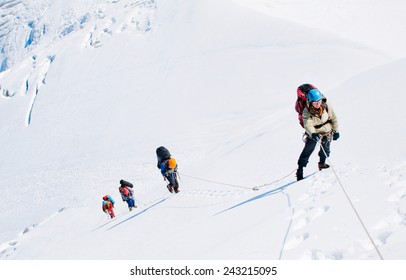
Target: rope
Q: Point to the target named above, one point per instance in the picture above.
(271, 183)
(352, 205)
(255, 188)
(214, 182)
(139, 201)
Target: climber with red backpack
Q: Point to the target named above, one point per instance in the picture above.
(127, 193)
(318, 119)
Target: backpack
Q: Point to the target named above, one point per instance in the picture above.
(107, 205)
(124, 191)
(125, 183)
(162, 154)
(108, 198)
(301, 101)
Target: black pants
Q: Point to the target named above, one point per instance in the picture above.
(309, 148)
(172, 179)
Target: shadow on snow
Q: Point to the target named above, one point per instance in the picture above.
(143, 211)
(268, 193)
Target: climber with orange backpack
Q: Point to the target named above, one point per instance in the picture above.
(169, 168)
(127, 194)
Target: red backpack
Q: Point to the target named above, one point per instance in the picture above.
(301, 101)
(124, 190)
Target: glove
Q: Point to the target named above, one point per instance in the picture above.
(316, 137)
(336, 135)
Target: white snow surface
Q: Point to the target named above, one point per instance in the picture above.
(103, 83)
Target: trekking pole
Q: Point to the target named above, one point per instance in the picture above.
(352, 205)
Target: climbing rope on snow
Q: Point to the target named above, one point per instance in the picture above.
(255, 188)
(352, 205)
(215, 182)
(274, 182)
(139, 201)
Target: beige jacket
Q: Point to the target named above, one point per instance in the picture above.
(324, 125)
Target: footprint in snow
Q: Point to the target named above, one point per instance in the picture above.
(7, 251)
(383, 237)
(7, 248)
(311, 214)
(28, 229)
(315, 254)
(296, 241)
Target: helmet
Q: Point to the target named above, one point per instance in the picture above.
(172, 163)
(105, 197)
(314, 95)
(126, 191)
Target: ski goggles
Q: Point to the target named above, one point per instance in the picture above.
(316, 103)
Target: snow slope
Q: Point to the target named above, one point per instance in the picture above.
(81, 111)
(374, 23)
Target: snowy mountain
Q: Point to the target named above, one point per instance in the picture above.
(89, 90)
